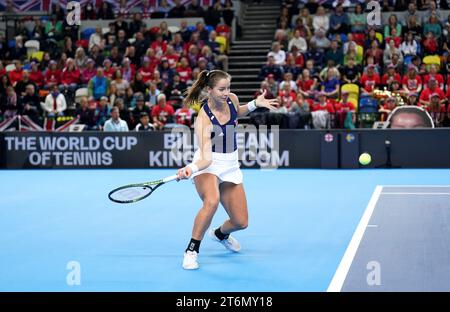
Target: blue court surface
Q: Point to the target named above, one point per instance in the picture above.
(57, 222)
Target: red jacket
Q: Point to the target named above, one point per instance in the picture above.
(37, 77)
(53, 76)
(69, 77)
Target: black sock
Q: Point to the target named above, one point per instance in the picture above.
(194, 245)
(220, 235)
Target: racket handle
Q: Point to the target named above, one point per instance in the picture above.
(170, 178)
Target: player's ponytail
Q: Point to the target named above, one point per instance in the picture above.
(205, 78)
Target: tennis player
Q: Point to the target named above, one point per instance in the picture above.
(215, 166)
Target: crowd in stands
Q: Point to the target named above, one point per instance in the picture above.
(333, 67)
(127, 77)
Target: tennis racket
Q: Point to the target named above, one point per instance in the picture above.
(132, 193)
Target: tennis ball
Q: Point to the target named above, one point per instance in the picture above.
(364, 159)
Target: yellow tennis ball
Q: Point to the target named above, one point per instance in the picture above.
(365, 159)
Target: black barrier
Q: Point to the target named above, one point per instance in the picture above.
(426, 148)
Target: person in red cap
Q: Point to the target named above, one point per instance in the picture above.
(411, 81)
(323, 104)
(433, 73)
(385, 109)
(425, 96)
(343, 108)
(390, 76)
(369, 81)
(436, 109)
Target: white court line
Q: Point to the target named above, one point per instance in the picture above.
(412, 193)
(446, 186)
(341, 273)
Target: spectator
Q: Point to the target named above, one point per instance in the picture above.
(36, 75)
(70, 79)
(22, 84)
(270, 68)
(430, 44)
(153, 94)
(299, 42)
(358, 20)
(434, 74)
(183, 115)
(178, 10)
(176, 89)
(102, 112)
(52, 75)
(330, 85)
(227, 12)
(140, 107)
(163, 8)
(433, 25)
(162, 113)
(144, 124)
(369, 81)
(411, 81)
(390, 76)
(87, 113)
(321, 20)
(392, 24)
(120, 83)
(98, 86)
(306, 84)
(11, 104)
(436, 109)
(387, 108)
(213, 14)
(427, 93)
(16, 74)
(55, 103)
(339, 21)
(184, 70)
(319, 42)
(30, 103)
(278, 55)
(80, 58)
(334, 54)
(105, 11)
(115, 123)
(409, 47)
(194, 9)
(351, 72)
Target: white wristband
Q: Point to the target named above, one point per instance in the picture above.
(193, 167)
(251, 106)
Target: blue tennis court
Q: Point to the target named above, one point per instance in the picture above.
(301, 224)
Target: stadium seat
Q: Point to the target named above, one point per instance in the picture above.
(209, 28)
(39, 55)
(86, 34)
(173, 29)
(351, 88)
(81, 92)
(10, 67)
(360, 51)
(379, 36)
(32, 47)
(359, 38)
(432, 59)
(223, 43)
(368, 105)
(354, 102)
(192, 28)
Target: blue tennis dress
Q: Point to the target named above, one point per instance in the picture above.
(225, 158)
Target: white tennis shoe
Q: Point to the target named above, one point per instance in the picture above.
(190, 260)
(230, 243)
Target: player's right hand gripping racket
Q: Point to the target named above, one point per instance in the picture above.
(132, 193)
